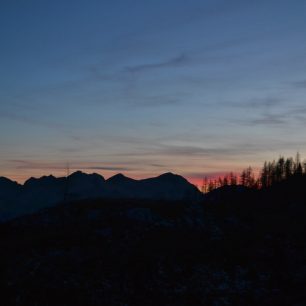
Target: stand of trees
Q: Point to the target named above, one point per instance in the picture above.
(282, 169)
(271, 173)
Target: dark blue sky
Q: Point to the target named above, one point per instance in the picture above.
(193, 87)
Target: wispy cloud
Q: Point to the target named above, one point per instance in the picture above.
(286, 118)
(107, 168)
(300, 84)
(170, 63)
(31, 121)
(157, 165)
(42, 165)
(152, 101)
(212, 152)
(36, 165)
(179, 151)
(256, 103)
(270, 119)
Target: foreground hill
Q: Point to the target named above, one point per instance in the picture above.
(238, 247)
(47, 191)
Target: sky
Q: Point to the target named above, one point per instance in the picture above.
(197, 88)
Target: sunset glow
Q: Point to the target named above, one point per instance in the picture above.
(146, 88)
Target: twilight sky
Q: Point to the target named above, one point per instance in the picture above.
(145, 87)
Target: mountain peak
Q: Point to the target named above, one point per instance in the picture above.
(119, 178)
(171, 176)
(79, 175)
(6, 180)
(168, 174)
(42, 179)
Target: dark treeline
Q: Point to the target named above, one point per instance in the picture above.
(270, 173)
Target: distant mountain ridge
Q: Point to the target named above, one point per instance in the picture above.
(47, 191)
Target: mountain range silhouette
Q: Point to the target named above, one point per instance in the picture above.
(47, 191)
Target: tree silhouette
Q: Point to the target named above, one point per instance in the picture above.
(270, 174)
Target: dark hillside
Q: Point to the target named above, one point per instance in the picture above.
(239, 247)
